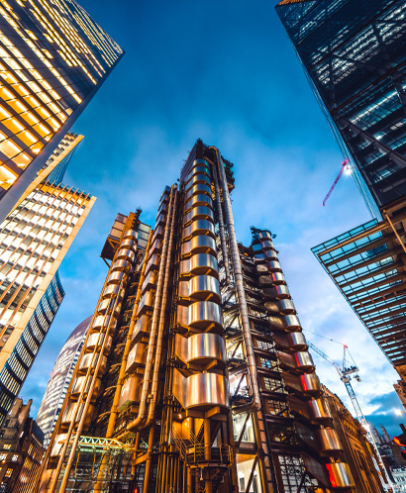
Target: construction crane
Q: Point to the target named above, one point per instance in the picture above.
(344, 166)
(346, 372)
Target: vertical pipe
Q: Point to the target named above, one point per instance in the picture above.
(158, 353)
(148, 462)
(239, 281)
(154, 326)
(221, 227)
(114, 409)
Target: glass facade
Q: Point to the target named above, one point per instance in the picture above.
(366, 265)
(17, 366)
(353, 52)
(58, 384)
(31, 241)
(53, 59)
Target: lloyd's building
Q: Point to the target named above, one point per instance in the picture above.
(194, 374)
(53, 59)
(353, 55)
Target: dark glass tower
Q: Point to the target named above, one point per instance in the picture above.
(353, 52)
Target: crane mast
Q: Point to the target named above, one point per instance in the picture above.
(345, 371)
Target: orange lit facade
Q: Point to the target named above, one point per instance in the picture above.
(194, 375)
(53, 60)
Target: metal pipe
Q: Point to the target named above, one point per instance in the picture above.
(249, 345)
(221, 227)
(87, 404)
(114, 411)
(162, 318)
(88, 399)
(67, 397)
(135, 423)
(148, 461)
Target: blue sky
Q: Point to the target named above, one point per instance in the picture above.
(227, 73)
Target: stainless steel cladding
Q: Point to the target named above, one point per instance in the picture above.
(198, 227)
(319, 409)
(126, 254)
(304, 361)
(90, 360)
(97, 338)
(289, 323)
(117, 278)
(77, 408)
(121, 265)
(199, 212)
(200, 263)
(284, 307)
(199, 244)
(277, 292)
(340, 474)
(129, 243)
(142, 328)
(111, 291)
(329, 441)
(200, 348)
(297, 340)
(199, 200)
(201, 390)
(201, 287)
(136, 357)
(198, 189)
(130, 392)
(79, 385)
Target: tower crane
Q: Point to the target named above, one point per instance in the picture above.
(346, 372)
(343, 167)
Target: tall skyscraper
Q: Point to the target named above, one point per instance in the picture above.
(33, 242)
(195, 374)
(59, 381)
(54, 58)
(353, 55)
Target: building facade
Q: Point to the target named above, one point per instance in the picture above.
(358, 451)
(59, 381)
(399, 477)
(352, 54)
(195, 374)
(21, 450)
(33, 242)
(54, 58)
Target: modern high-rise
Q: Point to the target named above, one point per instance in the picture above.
(59, 381)
(353, 54)
(195, 374)
(33, 242)
(54, 58)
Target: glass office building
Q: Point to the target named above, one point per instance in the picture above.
(54, 57)
(33, 242)
(353, 53)
(18, 364)
(367, 266)
(59, 380)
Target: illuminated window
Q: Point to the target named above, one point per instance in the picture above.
(9, 472)
(7, 178)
